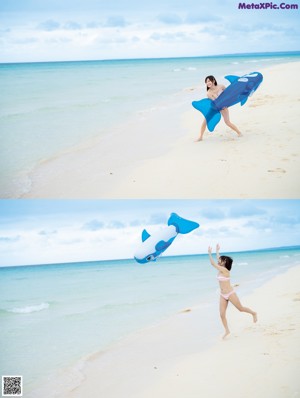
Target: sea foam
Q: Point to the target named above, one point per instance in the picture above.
(31, 308)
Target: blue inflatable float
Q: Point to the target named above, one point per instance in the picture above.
(153, 246)
(238, 91)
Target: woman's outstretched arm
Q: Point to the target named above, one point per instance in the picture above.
(223, 270)
(218, 251)
(212, 261)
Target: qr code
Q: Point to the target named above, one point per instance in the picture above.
(12, 386)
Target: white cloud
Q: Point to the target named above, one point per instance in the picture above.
(49, 25)
(72, 25)
(9, 239)
(93, 225)
(115, 21)
(170, 19)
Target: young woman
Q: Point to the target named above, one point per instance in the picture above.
(213, 91)
(227, 292)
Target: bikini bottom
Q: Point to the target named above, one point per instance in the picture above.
(227, 295)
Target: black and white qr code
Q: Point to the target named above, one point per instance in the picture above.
(12, 386)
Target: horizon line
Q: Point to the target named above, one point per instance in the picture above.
(132, 258)
(157, 58)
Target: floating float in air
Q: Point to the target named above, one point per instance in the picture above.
(153, 246)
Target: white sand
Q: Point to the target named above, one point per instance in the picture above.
(259, 360)
(157, 157)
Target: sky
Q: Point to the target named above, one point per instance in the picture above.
(56, 30)
(62, 231)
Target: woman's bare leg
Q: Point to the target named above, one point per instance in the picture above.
(225, 114)
(223, 308)
(202, 130)
(236, 302)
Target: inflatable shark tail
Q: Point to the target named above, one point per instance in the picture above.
(211, 114)
(182, 225)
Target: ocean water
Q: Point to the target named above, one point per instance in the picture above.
(52, 316)
(47, 109)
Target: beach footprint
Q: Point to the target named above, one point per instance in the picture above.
(185, 311)
(297, 297)
(259, 101)
(277, 170)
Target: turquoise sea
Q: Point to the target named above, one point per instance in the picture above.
(47, 109)
(53, 316)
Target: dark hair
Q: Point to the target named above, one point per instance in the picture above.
(228, 261)
(212, 79)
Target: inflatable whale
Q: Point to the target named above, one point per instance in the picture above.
(153, 246)
(238, 91)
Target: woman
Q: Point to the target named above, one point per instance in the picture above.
(213, 91)
(227, 292)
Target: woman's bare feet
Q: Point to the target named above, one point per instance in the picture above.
(254, 317)
(227, 332)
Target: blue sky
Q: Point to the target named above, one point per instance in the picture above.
(53, 30)
(54, 231)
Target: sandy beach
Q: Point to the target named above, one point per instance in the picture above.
(256, 360)
(157, 156)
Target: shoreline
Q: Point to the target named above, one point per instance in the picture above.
(98, 159)
(171, 359)
(160, 158)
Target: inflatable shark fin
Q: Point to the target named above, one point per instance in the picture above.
(244, 101)
(212, 115)
(231, 78)
(145, 235)
(182, 225)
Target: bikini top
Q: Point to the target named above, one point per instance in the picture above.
(222, 278)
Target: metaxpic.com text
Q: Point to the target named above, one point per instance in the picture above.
(267, 6)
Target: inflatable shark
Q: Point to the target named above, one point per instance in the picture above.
(238, 91)
(154, 245)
